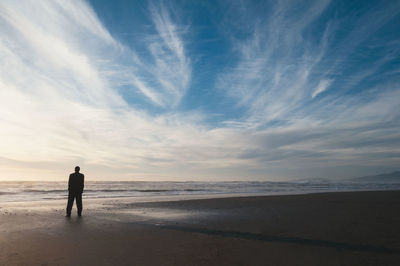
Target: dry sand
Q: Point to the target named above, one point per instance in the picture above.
(353, 228)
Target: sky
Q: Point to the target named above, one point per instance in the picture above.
(199, 90)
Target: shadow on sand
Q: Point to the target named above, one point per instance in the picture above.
(285, 239)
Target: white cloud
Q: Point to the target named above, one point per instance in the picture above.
(170, 73)
(322, 86)
(59, 106)
(60, 103)
(274, 65)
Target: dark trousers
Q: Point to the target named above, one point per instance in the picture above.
(71, 196)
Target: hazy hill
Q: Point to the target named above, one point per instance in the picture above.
(393, 177)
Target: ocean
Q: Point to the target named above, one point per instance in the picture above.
(33, 191)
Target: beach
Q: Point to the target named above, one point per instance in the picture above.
(337, 228)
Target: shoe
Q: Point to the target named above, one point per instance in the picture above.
(68, 215)
(79, 214)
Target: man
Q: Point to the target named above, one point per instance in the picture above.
(75, 189)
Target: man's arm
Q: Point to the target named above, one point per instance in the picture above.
(69, 183)
(83, 182)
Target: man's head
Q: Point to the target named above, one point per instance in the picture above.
(77, 169)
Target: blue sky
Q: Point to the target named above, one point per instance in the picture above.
(199, 90)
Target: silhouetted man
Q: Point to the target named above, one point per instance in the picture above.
(75, 189)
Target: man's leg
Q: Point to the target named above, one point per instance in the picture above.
(79, 203)
(71, 197)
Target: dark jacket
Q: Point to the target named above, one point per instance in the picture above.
(76, 182)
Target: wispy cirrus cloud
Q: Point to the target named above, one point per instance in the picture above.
(278, 71)
(59, 97)
(274, 65)
(72, 93)
(282, 66)
(61, 106)
(322, 86)
(164, 75)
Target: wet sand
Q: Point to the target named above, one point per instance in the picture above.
(349, 228)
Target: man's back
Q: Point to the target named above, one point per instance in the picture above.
(76, 182)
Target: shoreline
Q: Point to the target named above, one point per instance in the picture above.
(333, 228)
(183, 197)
